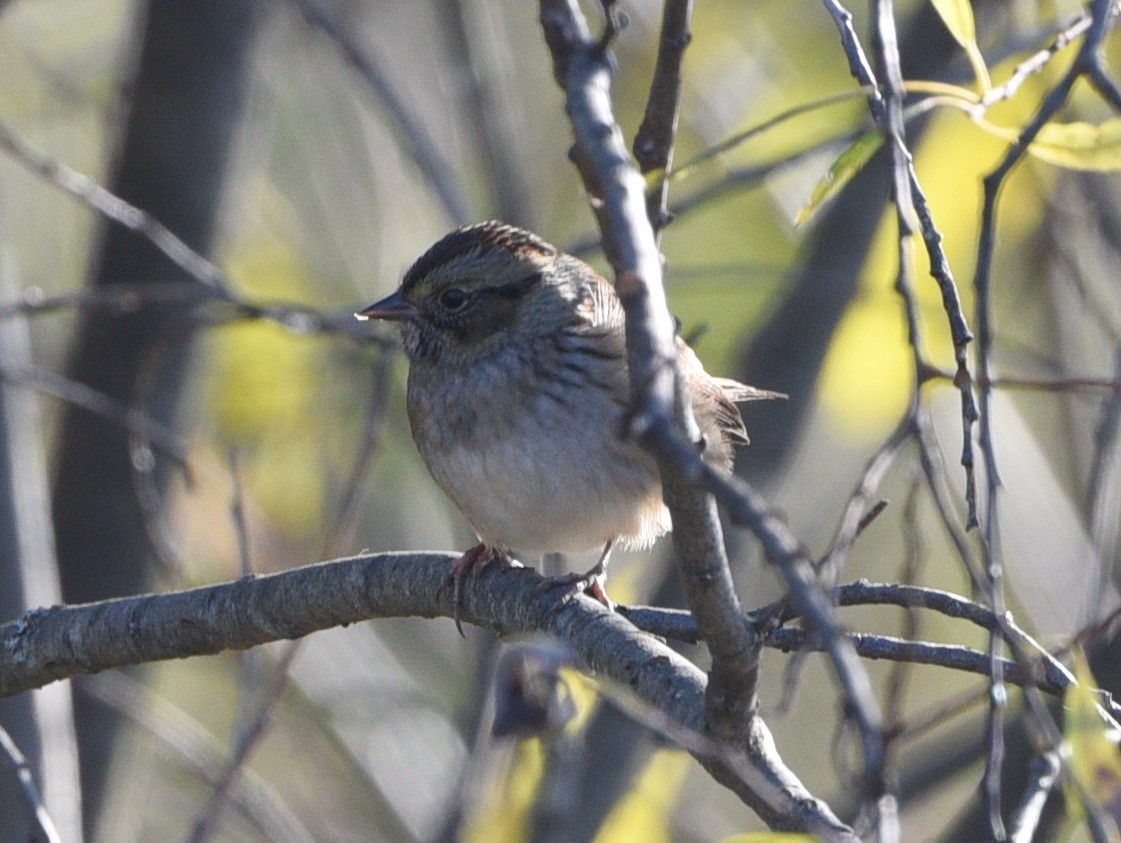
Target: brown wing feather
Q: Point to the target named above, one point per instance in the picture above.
(714, 399)
(603, 306)
(714, 405)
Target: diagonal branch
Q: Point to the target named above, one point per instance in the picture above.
(616, 192)
(660, 404)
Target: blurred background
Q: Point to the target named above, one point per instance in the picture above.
(312, 151)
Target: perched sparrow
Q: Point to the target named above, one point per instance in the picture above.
(517, 393)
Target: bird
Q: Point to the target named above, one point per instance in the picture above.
(517, 397)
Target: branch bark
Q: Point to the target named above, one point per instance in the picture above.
(46, 645)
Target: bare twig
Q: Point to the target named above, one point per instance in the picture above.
(137, 424)
(1039, 60)
(228, 780)
(916, 552)
(653, 144)
(1086, 63)
(115, 208)
(206, 307)
(1043, 669)
(960, 333)
(853, 520)
(677, 625)
(42, 826)
(349, 510)
(206, 820)
(1025, 819)
(415, 141)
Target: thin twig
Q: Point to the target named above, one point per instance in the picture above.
(42, 826)
(206, 820)
(115, 208)
(349, 510)
(915, 555)
(653, 143)
(1041, 667)
(415, 142)
(136, 423)
(960, 333)
(1024, 821)
(227, 781)
(1087, 60)
(856, 511)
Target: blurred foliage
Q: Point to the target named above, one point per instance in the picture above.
(646, 812)
(267, 383)
(1095, 760)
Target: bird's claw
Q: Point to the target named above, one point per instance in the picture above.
(460, 569)
(471, 564)
(590, 583)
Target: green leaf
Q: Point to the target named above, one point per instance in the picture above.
(847, 165)
(958, 17)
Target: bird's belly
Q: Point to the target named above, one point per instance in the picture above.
(553, 483)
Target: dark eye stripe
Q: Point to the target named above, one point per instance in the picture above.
(515, 289)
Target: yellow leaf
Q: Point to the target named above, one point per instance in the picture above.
(847, 165)
(654, 179)
(1095, 759)
(1080, 146)
(958, 17)
(1076, 146)
(643, 814)
(508, 791)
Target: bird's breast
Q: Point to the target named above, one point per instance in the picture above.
(535, 469)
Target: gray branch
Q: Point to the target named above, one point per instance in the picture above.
(46, 645)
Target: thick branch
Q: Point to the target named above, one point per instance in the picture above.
(50, 644)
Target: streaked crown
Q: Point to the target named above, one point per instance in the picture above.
(473, 244)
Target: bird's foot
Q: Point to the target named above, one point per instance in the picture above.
(471, 564)
(591, 583)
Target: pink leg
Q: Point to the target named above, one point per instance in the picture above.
(591, 581)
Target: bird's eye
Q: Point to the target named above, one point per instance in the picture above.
(453, 299)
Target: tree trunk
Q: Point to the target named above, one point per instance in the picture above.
(186, 100)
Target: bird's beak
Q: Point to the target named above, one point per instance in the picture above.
(392, 308)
